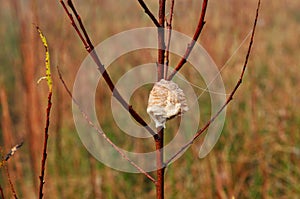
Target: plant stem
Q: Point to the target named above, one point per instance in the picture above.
(43, 164)
(90, 49)
(160, 75)
(101, 132)
(161, 40)
(149, 13)
(189, 49)
(230, 98)
(160, 167)
(1, 192)
(169, 28)
(10, 182)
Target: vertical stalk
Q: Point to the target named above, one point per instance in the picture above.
(161, 39)
(160, 167)
(169, 28)
(46, 136)
(160, 75)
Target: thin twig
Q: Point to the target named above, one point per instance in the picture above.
(10, 182)
(231, 94)
(160, 165)
(161, 40)
(12, 151)
(192, 43)
(90, 49)
(102, 133)
(149, 13)
(169, 28)
(3, 164)
(74, 24)
(1, 193)
(43, 165)
(87, 38)
(48, 110)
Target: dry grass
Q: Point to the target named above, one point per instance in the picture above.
(259, 149)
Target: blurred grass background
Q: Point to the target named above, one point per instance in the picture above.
(259, 149)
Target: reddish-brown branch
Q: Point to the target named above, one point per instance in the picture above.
(46, 134)
(160, 165)
(160, 75)
(10, 182)
(192, 43)
(169, 27)
(3, 162)
(229, 99)
(74, 24)
(90, 49)
(87, 38)
(149, 13)
(1, 193)
(161, 40)
(102, 133)
(12, 151)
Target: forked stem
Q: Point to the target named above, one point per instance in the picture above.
(90, 49)
(191, 45)
(149, 13)
(229, 99)
(90, 123)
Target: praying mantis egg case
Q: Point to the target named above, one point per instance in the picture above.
(166, 100)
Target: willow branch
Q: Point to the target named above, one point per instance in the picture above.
(87, 38)
(149, 13)
(12, 151)
(191, 45)
(42, 175)
(90, 49)
(74, 24)
(101, 132)
(160, 75)
(229, 99)
(169, 28)
(1, 192)
(3, 163)
(49, 105)
(161, 40)
(10, 182)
